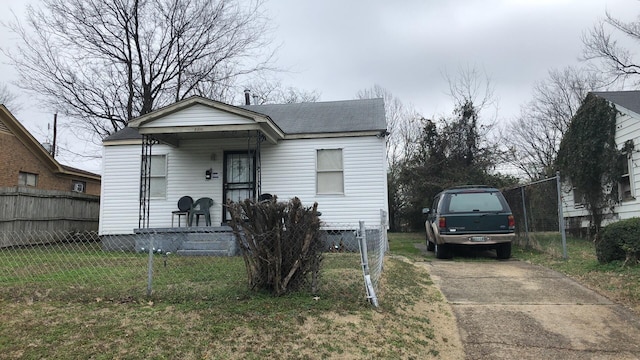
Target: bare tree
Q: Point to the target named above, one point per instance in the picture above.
(404, 127)
(607, 55)
(106, 62)
(402, 123)
(9, 99)
(267, 90)
(471, 84)
(474, 96)
(534, 137)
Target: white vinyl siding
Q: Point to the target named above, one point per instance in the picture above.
(288, 170)
(329, 171)
(628, 128)
(120, 189)
(199, 115)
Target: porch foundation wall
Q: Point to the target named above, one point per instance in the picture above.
(215, 241)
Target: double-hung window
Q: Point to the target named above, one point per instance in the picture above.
(578, 197)
(624, 185)
(158, 176)
(329, 171)
(27, 179)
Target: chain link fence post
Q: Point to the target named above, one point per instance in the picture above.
(561, 217)
(364, 256)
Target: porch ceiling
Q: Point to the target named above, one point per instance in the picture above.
(173, 135)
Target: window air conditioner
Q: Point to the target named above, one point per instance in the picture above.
(78, 187)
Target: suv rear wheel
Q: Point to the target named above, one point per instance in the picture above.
(443, 251)
(503, 251)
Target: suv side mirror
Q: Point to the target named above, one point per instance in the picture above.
(426, 211)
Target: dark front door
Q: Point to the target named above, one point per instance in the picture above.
(239, 178)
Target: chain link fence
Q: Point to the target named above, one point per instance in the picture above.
(538, 218)
(166, 264)
(370, 241)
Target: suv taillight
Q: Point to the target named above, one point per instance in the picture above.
(512, 222)
(442, 222)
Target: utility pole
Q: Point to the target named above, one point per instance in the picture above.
(55, 133)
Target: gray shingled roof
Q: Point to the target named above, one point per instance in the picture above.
(124, 134)
(325, 117)
(627, 99)
(311, 117)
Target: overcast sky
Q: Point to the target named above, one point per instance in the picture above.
(339, 47)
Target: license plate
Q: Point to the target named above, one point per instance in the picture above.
(478, 238)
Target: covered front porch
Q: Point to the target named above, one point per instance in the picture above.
(199, 151)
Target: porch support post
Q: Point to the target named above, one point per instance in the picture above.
(259, 139)
(145, 180)
(257, 161)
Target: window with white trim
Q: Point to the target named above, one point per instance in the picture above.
(27, 179)
(158, 176)
(625, 189)
(578, 197)
(329, 171)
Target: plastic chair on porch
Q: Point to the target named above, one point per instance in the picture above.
(201, 207)
(184, 205)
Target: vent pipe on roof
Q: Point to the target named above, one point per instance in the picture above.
(255, 99)
(247, 97)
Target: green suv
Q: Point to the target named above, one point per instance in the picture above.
(475, 215)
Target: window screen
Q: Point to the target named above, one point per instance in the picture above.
(158, 176)
(329, 169)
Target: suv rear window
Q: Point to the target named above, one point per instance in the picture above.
(475, 201)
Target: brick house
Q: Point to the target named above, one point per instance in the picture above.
(25, 162)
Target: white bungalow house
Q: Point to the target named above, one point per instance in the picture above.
(627, 128)
(332, 153)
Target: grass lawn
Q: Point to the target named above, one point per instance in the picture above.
(201, 309)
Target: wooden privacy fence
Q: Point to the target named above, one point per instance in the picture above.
(29, 210)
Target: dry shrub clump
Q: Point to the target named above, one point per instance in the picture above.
(279, 242)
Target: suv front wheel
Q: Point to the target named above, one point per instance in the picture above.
(443, 251)
(430, 245)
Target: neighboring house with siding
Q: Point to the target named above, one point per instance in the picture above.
(24, 162)
(627, 104)
(332, 153)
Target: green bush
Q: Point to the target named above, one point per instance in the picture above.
(619, 241)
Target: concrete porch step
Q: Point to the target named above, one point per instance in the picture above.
(206, 245)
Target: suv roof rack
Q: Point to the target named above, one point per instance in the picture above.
(471, 187)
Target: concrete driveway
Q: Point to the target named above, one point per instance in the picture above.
(515, 310)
